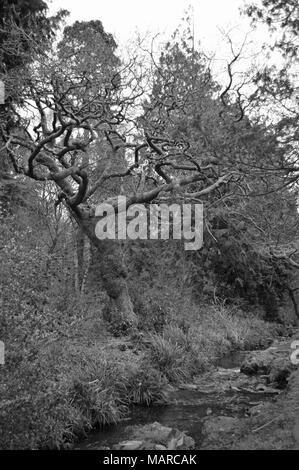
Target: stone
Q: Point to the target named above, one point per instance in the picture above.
(185, 442)
(220, 424)
(155, 434)
(129, 445)
(257, 409)
(221, 432)
(273, 362)
(172, 444)
(188, 387)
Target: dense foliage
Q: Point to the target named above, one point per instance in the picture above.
(81, 126)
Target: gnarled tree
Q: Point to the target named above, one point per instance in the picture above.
(76, 127)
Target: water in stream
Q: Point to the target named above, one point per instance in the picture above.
(186, 412)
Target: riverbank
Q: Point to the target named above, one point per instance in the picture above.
(245, 407)
(89, 379)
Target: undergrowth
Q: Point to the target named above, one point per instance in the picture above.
(57, 393)
(188, 348)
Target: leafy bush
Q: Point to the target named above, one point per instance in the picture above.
(235, 269)
(152, 311)
(239, 329)
(189, 346)
(173, 354)
(69, 387)
(146, 386)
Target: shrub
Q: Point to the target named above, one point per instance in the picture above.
(173, 354)
(146, 386)
(188, 348)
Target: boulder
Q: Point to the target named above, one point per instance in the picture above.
(155, 436)
(219, 425)
(273, 362)
(220, 432)
(257, 410)
(129, 445)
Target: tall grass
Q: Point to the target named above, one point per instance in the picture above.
(185, 349)
(70, 389)
(62, 391)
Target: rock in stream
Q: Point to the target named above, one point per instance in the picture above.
(212, 412)
(156, 437)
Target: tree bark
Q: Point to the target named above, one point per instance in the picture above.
(80, 257)
(293, 299)
(108, 259)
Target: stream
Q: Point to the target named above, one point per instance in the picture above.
(214, 394)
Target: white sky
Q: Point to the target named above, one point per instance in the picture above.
(123, 17)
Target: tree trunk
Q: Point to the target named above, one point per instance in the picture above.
(80, 257)
(293, 299)
(108, 260)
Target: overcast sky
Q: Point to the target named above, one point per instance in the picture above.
(123, 17)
